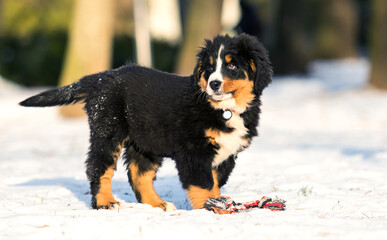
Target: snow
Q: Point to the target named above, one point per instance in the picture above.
(322, 147)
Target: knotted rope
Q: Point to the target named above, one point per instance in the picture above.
(225, 205)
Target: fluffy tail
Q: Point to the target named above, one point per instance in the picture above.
(56, 97)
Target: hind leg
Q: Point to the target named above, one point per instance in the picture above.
(100, 165)
(108, 133)
(141, 173)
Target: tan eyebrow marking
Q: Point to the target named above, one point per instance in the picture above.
(228, 58)
(252, 65)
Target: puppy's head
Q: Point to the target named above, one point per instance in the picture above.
(232, 71)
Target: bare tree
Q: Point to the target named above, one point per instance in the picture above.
(1, 13)
(142, 33)
(336, 35)
(90, 43)
(378, 43)
(307, 30)
(203, 21)
(291, 43)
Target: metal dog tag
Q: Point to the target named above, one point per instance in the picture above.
(227, 114)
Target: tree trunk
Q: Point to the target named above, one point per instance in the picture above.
(203, 21)
(292, 40)
(1, 15)
(142, 33)
(307, 30)
(90, 43)
(378, 43)
(336, 29)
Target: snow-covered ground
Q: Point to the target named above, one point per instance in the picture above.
(322, 147)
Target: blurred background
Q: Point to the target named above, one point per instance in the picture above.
(55, 42)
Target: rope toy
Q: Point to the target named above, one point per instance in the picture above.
(225, 205)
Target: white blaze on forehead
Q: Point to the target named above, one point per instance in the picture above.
(217, 75)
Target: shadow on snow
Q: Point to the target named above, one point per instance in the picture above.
(169, 189)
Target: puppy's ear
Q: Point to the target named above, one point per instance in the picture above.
(258, 60)
(198, 70)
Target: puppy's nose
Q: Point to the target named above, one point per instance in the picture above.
(215, 85)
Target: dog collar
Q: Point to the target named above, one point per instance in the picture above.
(227, 114)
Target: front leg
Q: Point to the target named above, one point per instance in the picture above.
(200, 181)
(224, 170)
(198, 195)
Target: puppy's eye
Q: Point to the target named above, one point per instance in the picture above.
(231, 66)
(211, 68)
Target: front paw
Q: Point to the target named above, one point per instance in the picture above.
(104, 202)
(109, 205)
(167, 206)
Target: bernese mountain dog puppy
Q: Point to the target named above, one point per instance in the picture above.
(200, 121)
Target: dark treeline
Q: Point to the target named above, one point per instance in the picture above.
(34, 35)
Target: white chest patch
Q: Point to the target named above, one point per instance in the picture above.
(230, 143)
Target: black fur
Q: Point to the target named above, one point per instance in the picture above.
(161, 115)
(56, 97)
